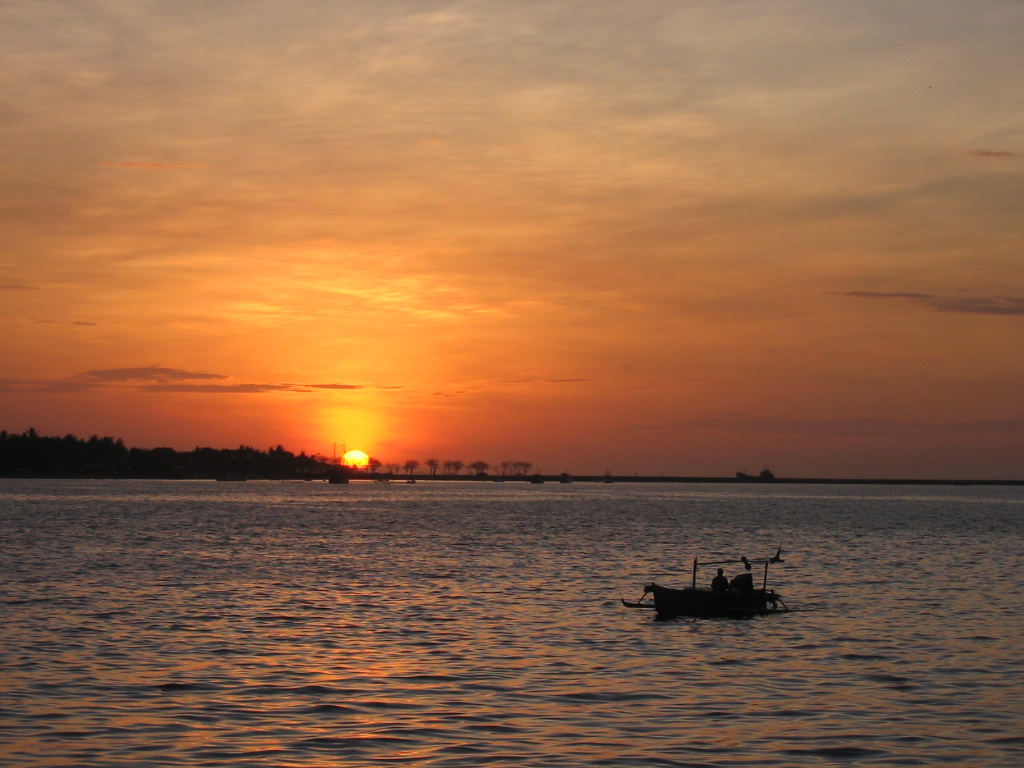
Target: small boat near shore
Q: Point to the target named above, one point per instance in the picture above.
(735, 598)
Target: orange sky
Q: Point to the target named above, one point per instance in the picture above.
(654, 237)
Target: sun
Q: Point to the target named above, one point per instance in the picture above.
(355, 459)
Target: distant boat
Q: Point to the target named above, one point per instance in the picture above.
(537, 479)
(608, 477)
(564, 478)
(764, 474)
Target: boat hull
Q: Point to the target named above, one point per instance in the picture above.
(705, 603)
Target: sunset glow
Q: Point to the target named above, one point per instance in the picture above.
(660, 238)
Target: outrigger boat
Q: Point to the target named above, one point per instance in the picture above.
(737, 598)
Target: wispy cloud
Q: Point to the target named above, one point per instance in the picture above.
(842, 427)
(226, 389)
(148, 373)
(160, 379)
(883, 295)
(543, 381)
(47, 321)
(245, 387)
(979, 305)
(58, 386)
(146, 165)
(993, 153)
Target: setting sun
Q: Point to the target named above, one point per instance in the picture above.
(355, 459)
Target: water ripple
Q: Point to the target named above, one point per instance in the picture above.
(469, 625)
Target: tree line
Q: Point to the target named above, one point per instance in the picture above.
(449, 467)
(33, 455)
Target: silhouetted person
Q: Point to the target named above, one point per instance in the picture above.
(743, 583)
(720, 583)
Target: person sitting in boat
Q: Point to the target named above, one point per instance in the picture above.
(721, 582)
(743, 583)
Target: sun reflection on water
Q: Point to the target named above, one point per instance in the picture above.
(371, 625)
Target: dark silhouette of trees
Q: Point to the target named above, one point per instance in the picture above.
(33, 455)
(516, 468)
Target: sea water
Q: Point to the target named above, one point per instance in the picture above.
(213, 624)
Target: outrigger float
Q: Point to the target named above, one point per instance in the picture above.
(737, 599)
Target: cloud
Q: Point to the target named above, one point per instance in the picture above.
(154, 166)
(842, 427)
(62, 386)
(221, 389)
(543, 381)
(883, 295)
(174, 380)
(17, 287)
(159, 379)
(15, 385)
(992, 305)
(150, 373)
(994, 153)
(982, 305)
(65, 322)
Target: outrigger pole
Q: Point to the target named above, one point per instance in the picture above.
(776, 558)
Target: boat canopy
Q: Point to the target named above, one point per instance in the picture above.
(747, 564)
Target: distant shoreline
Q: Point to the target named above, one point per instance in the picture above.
(543, 479)
(684, 479)
(33, 456)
